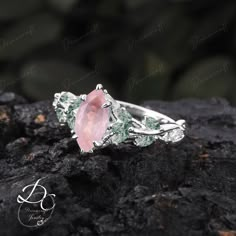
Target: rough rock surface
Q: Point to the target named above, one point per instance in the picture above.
(184, 189)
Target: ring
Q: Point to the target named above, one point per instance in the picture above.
(97, 120)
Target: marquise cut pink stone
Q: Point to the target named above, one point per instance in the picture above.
(91, 120)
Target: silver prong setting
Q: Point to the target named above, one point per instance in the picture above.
(110, 127)
(107, 104)
(97, 144)
(83, 97)
(181, 123)
(107, 137)
(56, 95)
(99, 87)
(131, 130)
(82, 151)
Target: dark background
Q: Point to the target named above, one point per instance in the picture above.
(138, 49)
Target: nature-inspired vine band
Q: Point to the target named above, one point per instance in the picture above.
(97, 120)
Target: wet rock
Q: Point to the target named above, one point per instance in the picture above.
(184, 189)
(8, 98)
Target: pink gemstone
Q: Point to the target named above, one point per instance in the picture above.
(91, 120)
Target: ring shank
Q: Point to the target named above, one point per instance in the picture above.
(140, 111)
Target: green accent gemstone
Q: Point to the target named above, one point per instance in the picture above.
(70, 114)
(121, 127)
(60, 114)
(65, 107)
(64, 98)
(144, 140)
(151, 123)
(121, 131)
(71, 120)
(123, 115)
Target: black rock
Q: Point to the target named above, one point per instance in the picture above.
(184, 189)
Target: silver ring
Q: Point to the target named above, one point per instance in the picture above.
(97, 120)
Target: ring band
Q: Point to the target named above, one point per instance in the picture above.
(97, 120)
(142, 111)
